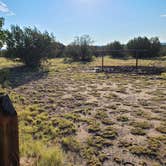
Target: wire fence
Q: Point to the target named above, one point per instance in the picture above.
(134, 65)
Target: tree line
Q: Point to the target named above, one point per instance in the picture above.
(32, 46)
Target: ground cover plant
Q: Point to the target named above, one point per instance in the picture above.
(70, 116)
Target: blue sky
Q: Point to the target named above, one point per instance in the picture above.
(103, 20)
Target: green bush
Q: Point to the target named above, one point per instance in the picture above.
(42, 155)
(51, 157)
(30, 45)
(79, 50)
(4, 76)
(71, 144)
(152, 47)
(116, 45)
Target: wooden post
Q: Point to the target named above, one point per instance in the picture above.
(9, 144)
(102, 67)
(137, 60)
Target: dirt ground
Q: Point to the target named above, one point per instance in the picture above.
(113, 119)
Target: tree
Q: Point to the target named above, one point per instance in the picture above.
(29, 44)
(2, 33)
(155, 46)
(152, 46)
(57, 50)
(80, 49)
(115, 49)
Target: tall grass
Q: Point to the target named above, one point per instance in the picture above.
(42, 155)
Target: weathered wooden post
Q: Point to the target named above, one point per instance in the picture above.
(102, 65)
(9, 145)
(137, 60)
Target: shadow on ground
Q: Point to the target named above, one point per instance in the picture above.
(142, 70)
(21, 75)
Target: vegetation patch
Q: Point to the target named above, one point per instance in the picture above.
(94, 127)
(71, 144)
(66, 127)
(162, 128)
(138, 131)
(107, 121)
(151, 150)
(123, 118)
(98, 142)
(70, 110)
(142, 125)
(101, 115)
(109, 133)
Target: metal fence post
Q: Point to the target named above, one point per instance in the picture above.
(9, 144)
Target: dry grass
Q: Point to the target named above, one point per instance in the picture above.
(73, 117)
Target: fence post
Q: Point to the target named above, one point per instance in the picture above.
(9, 144)
(102, 65)
(137, 60)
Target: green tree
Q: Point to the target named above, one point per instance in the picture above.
(2, 33)
(115, 48)
(152, 46)
(80, 49)
(155, 46)
(30, 45)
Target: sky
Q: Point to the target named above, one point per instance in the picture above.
(104, 20)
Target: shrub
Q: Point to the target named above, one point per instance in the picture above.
(2, 33)
(79, 50)
(138, 131)
(115, 49)
(152, 47)
(71, 144)
(142, 125)
(161, 128)
(122, 118)
(4, 76)
(30, 45)
(44, 156)
(51, 157)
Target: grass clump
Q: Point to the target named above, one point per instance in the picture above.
(72, 116)
(51, 156)
(70, 144)
(98, 142)
(94, 161)
(4, 78)
(142, 125)
(138, 131)
(94, 127)
(109, 133)
(122, 118)
(66, 127)
(92, 156)
(141, 151)
(41, 154)
(151, 150)
(163, 75)
(101, 115)
(124, 143)
(107, 121)
(162, 128)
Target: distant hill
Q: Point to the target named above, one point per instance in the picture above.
(163, 44)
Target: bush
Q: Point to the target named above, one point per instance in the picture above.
(79, 50)
(71, 144)
(4, 77)
(152, 47)
(2, 33)
(115, 49)
(30, 45)
(43, 155)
